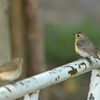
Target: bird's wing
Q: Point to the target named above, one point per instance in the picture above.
(8, 67)
(88, 47)
(92, 50)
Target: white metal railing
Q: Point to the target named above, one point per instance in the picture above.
(30, 87)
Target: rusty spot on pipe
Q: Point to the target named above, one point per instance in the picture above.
(91, 97)
(29, 81)
(6, 96)
(56, 79)
(8, 89)
(95, 85)
(83, 64)
(73, 71)
(21, 83)
(98, 75)
(50, 72)
(79, 66)
(89, 61)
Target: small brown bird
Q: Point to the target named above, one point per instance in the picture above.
(84, 46)
(11, 70)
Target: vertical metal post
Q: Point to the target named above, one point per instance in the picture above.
(27, 97)
(94, 92)
(33, 96)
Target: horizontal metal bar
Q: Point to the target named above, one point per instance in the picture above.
(40, 81)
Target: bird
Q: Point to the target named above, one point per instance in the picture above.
(12, 70)
(84, 46)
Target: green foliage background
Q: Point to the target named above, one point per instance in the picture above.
(59, 39)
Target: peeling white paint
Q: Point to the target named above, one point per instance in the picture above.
(94, 92)
(43, 80)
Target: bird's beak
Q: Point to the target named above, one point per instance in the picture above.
(74, 34)
(24, 59)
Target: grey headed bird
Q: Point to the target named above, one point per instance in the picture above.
(85, 47)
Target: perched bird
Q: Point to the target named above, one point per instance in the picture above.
(11, 70)
(84, 46)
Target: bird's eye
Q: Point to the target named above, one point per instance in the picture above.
(19, 59)
(78, 35)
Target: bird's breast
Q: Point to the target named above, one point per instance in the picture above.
(11, 75)
(81, 52)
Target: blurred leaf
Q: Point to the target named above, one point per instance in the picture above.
(71, 86)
